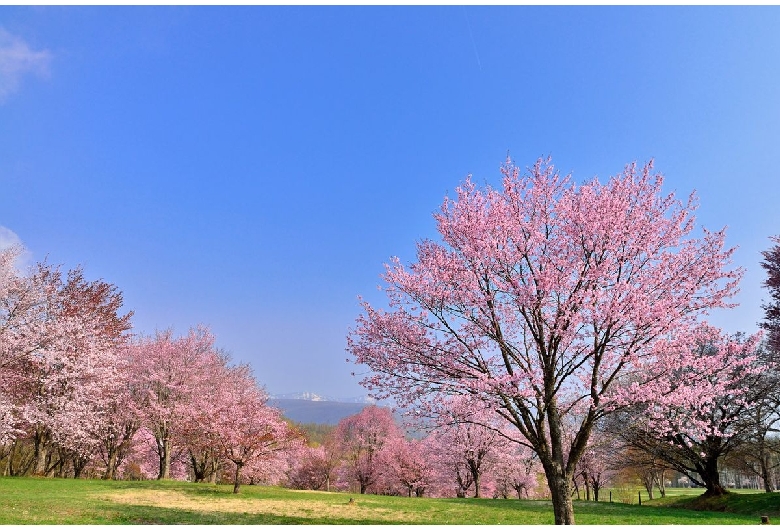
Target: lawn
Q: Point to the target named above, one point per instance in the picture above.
(68, 501)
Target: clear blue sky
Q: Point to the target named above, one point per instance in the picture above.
(252, 168)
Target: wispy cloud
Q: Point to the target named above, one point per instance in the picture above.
(8, 238)
(18, 60)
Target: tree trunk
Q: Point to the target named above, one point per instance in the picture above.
(558, 471)
(41, 452)
(79, 464)
(765, 475)
(662, 482)
(709, 474)
(587, 486)
(560, 491)
(237, 480)
(111, 465)
(165, 459)
(198, 468)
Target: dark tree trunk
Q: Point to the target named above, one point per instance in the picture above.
(111, 465)
(560, 491)
(708, 471)
(661, 481)
(237, 480)
(41, 451)
(477, 481)
(164, 447)
(587, 486)
(765, 476)
(198, 468)
(79, 464)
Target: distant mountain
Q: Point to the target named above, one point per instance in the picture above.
(310, 396)
(315, 411)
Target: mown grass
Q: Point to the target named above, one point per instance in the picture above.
(63, 501)
(753, 503)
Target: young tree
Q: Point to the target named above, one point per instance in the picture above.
(316, 467)
(543, 296)
(250, 432)
(361, 437)
(596, 467)
(516, 470)
(470, 438)
(407, 466)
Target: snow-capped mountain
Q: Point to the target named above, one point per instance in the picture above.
(311, 396)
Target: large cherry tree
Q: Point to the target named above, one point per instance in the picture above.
(544, 296)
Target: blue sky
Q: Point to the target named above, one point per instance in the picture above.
(252, 168)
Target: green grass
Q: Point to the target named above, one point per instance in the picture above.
(754, 503)
(68, 501)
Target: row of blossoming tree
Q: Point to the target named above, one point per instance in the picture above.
(561, 308)
(81, 394)
(369, 453)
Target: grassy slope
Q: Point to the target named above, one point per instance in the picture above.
(52, 501)
(753, 503)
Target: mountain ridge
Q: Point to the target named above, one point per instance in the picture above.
(311, 396)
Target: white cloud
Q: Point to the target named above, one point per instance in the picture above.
(8, 238)
(18, 60)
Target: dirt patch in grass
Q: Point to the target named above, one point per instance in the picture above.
(309, 508)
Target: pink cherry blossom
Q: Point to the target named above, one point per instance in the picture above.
(540, 298)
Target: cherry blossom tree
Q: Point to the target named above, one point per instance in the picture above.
(470, 441)
(316, 467)
(121, 414)
(199, 430)
(704, 412)
(361, 437)
(515, 471)
(168, 370)
(251, 433)
(542, 296)
(596, 468)
(65, 336)
(771, 323)
(407, 466)
(309, 471)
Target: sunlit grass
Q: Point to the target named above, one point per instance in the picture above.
(63, 501)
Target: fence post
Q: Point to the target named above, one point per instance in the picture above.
(610, 496)
(640, 498)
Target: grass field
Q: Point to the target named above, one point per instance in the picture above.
(67, 501)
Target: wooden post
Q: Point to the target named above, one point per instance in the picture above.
(640, 498)
(765, 519)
